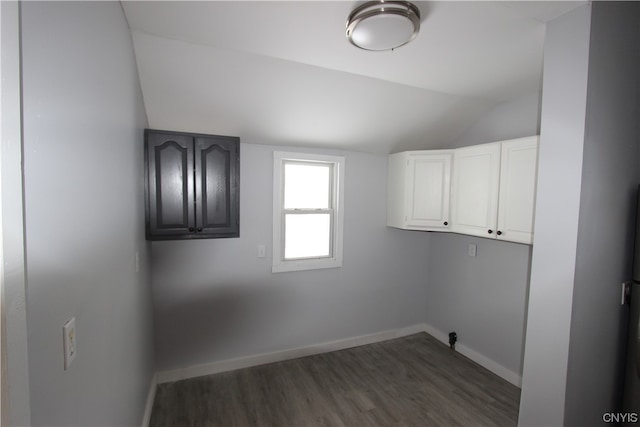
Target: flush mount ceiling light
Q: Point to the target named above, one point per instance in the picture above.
(383, 25)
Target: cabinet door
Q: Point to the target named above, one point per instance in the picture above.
(217, 186)
(170, 194)
(475, 189)
(428, 188)
(518, 174)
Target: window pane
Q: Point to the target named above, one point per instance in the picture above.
(307, 185)
(307, 235)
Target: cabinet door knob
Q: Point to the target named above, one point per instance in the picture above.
(199, 229)
(499, 233)
(191, 229)
(446, 223)
(490, 231)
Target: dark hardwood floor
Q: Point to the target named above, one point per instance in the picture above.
(410, 381)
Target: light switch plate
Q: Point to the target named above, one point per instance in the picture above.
(69, 342)
(625, 297)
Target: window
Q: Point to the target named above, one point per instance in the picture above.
(307, 211)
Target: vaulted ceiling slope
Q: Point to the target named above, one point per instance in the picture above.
(283, 72)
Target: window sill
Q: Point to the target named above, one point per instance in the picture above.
(315, 264)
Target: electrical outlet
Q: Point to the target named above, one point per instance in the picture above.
(472, 249)
(69, 342)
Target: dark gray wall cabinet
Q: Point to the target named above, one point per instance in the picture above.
(192, 185)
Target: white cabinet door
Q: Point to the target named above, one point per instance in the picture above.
(475, 190)
(428, 188)
(485, 190)
(418, 190)
(518, 174)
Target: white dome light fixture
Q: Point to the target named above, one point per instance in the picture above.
(383, 25)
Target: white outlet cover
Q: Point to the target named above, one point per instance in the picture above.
(69, 342)
(262, 250)
(472, 249)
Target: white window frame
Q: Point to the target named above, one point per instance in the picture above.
(279, 264)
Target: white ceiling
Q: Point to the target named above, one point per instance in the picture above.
(284, 73)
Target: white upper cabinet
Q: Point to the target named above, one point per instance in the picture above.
(485, 190)
(518, 176)
(475, 189)
(419, 186)
(494, 190)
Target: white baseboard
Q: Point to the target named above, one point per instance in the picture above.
(278, 356)
(149, 405)
(480, 359)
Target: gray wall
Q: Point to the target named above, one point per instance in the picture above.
(607, 214)
(215, 300)
(556, 222)
(508, 120)
(83, 120)
(484, 298)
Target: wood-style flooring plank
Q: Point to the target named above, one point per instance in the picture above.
(410, 381)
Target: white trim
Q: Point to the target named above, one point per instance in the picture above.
(278, 356)
(278, 263)
(13, 227)
(491, 365)
(151, 395)
(326, 347)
